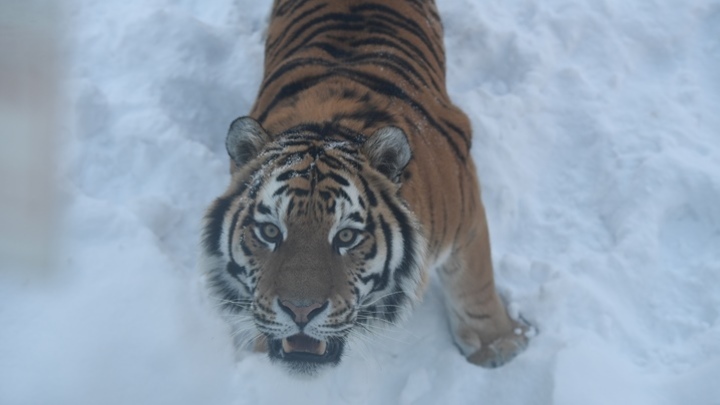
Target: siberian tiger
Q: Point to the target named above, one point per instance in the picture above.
(351, 178)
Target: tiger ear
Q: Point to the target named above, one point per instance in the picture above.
(389, 152)
(244, 140)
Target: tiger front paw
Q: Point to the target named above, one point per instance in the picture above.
(500, 351)
(503, 348)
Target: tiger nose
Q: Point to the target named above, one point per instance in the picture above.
(302, 312)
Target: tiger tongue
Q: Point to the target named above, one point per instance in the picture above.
(304, 343)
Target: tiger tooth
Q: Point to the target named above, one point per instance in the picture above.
(322, 348)
(286, 346)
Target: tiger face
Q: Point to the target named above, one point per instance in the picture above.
(312, 242)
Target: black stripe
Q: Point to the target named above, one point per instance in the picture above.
(214, 220)
(295, 142)
(290, 90)
(343, 194)
(332, 50)
(364, 26)
(398, 64)
(340, 193)
(297, 5)
(349, 135)
(287, 27)
(368, 192)
(372, 82)
(292, 65)
(288, 7)
(338, 179)
(231, 233)
(393, 303)
(368, 116)
(289, 174)
(308, 132)
(372, 253)
(465, 137)
(387, 88)
(246, 250)
(236, 270)
(333, 163)
(380, 281)
(417, 55)
(405, 23)
(355, 216)
(374, 62)
(231, 300)
(387, 41)
(305, 131)
(264, 209)
(298, 192)
(345, 20)
(370, 225)
(387, 233)
(408, 234)
(280, 190)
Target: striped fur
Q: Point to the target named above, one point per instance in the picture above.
(337, 72)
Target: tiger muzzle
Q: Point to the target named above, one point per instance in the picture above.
(304, 353)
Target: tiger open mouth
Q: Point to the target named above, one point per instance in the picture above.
(302, 343)
(304, 352)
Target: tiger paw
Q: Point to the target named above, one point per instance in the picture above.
(500, 351)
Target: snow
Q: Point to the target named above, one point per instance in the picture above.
(597, 140)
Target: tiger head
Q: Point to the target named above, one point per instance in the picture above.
(312, 242)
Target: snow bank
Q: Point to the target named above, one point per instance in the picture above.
(597, 139)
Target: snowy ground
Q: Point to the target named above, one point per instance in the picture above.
(597, 138)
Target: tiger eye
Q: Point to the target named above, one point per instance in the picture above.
(346, 235)
(270, 231)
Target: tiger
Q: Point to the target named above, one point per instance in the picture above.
(352, 180)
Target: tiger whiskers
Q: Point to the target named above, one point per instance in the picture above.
(358, 342)
(245, 337)
(240, 303)
(380, 332)
(362, 305)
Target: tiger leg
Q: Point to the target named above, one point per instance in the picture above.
(481, 326)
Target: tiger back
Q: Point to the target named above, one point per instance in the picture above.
(351, 178)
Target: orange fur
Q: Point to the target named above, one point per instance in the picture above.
(364, 65)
